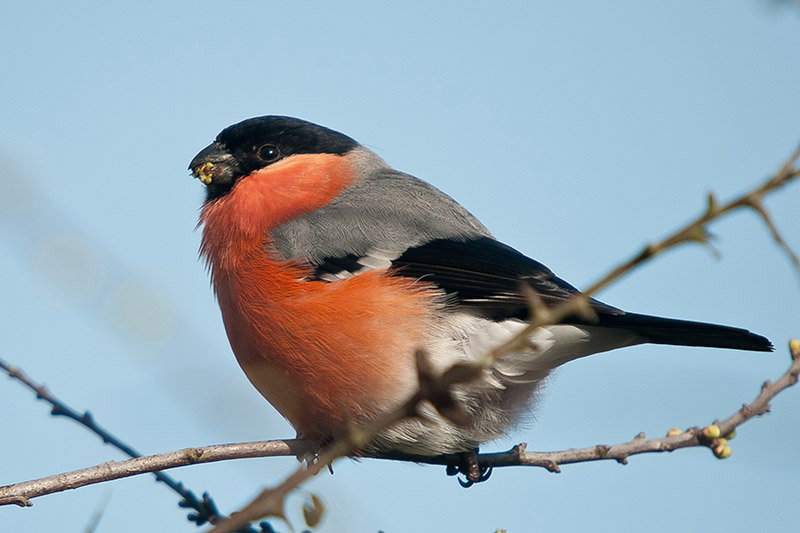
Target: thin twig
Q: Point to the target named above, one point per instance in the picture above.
(21, 493)
(695, 230)
(206, 509)
(712, 437)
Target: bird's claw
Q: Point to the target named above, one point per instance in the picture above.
(467, 464)
(484, 473)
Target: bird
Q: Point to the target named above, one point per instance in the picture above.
(333, 270)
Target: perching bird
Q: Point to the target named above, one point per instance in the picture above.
(332, 269)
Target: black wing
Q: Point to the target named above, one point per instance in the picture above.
(480, 273)
(487, 276)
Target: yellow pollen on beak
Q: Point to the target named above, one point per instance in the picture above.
(204, 173)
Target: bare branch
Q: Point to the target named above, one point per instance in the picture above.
(696, 230)
(205, 508)
(758, 206)
(712, 437)
(21, 493)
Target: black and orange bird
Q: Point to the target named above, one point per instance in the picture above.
(332, 269)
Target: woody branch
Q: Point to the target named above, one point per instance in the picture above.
(21, 493)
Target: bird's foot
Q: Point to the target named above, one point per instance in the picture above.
(467, 463)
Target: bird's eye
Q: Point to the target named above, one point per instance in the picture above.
(268, 153)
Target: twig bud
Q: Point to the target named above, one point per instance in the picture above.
(721, 448)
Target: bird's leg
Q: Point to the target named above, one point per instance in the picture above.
(467, 463)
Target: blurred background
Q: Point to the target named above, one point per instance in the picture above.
(576, 131)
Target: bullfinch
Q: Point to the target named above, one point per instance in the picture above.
(332, 269)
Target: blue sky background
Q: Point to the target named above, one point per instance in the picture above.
(576, 131)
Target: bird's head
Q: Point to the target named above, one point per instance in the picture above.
(257, 143)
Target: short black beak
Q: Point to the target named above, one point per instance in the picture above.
(214, 164)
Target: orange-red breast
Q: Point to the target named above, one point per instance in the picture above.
(331, 269)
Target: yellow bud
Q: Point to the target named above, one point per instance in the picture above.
(712, 431)
(794, 346)
(730, 435)
(673, 432)
(722, 451)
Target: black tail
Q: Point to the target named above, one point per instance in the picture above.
(659, 330)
